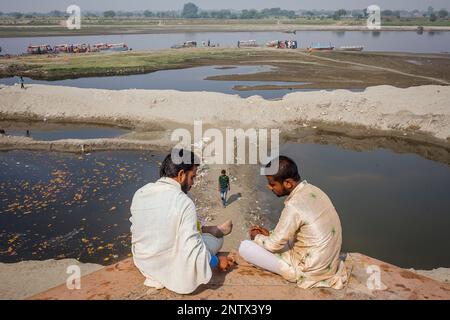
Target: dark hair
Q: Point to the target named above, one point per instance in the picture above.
(223, 172)
(286, 169)
(170, 169)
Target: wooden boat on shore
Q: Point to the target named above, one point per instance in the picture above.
(247, 43)
(76, 48)
(100, 47)
(109, 47)
(39, 49)
(80, 48)
(352, 48)
(186, 44)
(61, 48)
(118, 47)
(321, 48)
(282, 44)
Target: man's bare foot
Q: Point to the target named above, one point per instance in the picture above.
(226, 227)
(219, 231)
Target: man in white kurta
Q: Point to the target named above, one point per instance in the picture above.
(166, 244)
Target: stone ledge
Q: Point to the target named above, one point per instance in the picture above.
(123, 281)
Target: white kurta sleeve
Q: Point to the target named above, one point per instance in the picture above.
(288, 225)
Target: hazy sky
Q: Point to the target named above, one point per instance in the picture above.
(156, 5)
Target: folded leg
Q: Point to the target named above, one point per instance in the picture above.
(213, 244)
(264, 259)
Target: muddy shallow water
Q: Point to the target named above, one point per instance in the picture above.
(62, 205)
(188, 79)
(56, 131)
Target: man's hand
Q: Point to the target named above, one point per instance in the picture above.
(255, 230)
(225, 263)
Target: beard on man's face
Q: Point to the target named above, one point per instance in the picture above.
(282, 193)
(185, 187)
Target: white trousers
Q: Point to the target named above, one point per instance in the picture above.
(264, 259)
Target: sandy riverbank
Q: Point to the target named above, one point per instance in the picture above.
(422, 109)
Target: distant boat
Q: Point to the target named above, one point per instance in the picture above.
(79, 48)
(282, 44)
(118, 47)
(100, 46)
(61, 48)
(186, 44)
(39, 49)
(247, 43)
(321, 48)
(290, 31)
(351, 48)
(272, 44)
(110, 47)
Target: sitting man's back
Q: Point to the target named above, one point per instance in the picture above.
(166, 244)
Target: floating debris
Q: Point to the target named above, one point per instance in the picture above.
(53, 195)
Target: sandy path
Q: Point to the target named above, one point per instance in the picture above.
(241, 207)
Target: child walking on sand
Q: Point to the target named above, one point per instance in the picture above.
(224, 187)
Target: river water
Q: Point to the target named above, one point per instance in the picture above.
(399, 41)
(393, 206)
(61, 205)
(189, 79)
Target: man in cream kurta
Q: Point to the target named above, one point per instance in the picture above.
(307, 238)
(166, 244)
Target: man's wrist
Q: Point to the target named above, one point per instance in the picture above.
(214, 262)
(259, 239)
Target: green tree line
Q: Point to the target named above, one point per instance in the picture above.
(191, 11)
